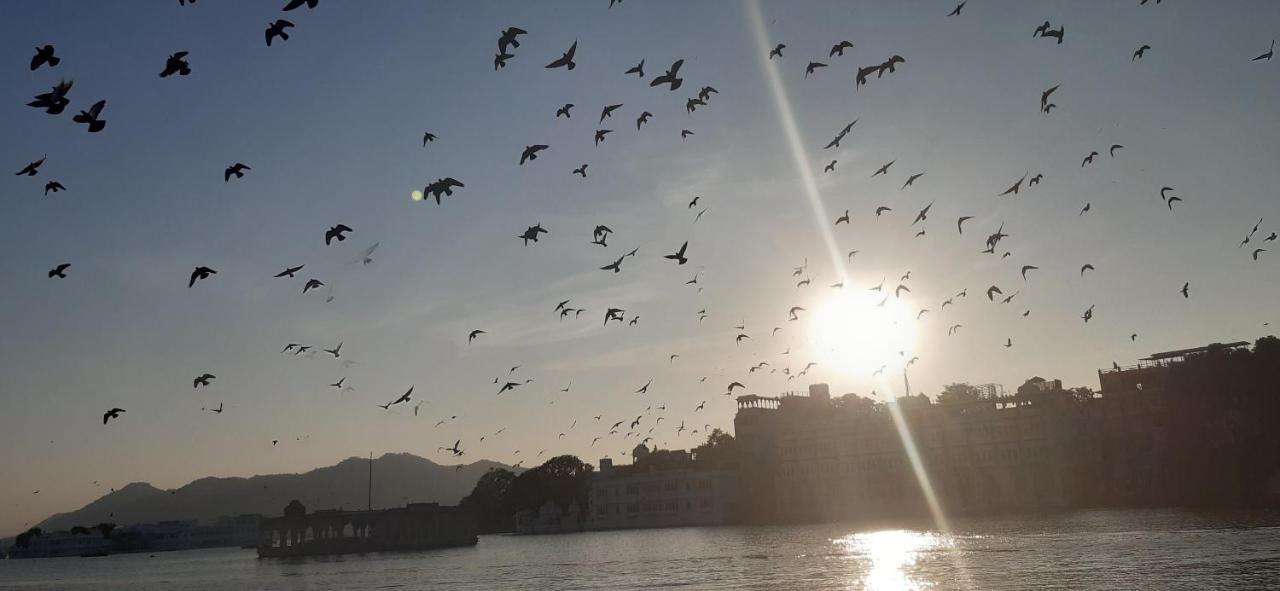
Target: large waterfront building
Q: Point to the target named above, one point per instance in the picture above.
(661, 488)
(818, 458)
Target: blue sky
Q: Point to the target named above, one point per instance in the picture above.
(331, 123)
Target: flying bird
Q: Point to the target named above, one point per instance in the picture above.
(883, 169)
(176, 64)
(441, 187)
(844, 218)
(1185, 290)
(312, 284)
(531, 233)
(1088, 159)
(1264, 57)
(777, 51)
(202, 380)
(959, 7)
(44, 56)
(110, 414)
(608, 110)
(531, 152)
(600, 133)
(830, 167)
(637, 69)
(55, 101)
(1113, 149)
(678, 256)
(300, 3)
(1137, 55)
(60, 270)
(339, 231)
(582, 170)
(91, 117)
(564, 111)
(236, 170)
(642, 119)
(1085, 267)
(566, 60)
(1026, 268)
(813, 67)
(1044, 97)
(200, 273)
(1016, 186)
(960, 222)
(671, 77)
(838, 49)
(32, 168)
(472, 336)
(508, 38)
(911, 180)
(54, 186)
(277, 29)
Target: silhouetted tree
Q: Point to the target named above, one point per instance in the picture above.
(959, 393)
(721, 449)
(488, 499)
(562, 480)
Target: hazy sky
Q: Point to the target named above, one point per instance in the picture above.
(331, 123)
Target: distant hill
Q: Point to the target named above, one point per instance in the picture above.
(397, 479)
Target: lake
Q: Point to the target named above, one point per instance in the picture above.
(1081, 550)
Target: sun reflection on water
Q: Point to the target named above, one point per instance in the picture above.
(889, 556)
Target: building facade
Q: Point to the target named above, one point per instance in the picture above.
(663, 488)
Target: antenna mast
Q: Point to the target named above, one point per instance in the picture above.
(370, 481)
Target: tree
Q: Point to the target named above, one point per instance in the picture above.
(959, 393)
(720, 449)
(488, 499)
(562, 480)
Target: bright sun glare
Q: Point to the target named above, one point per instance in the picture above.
(860, 331)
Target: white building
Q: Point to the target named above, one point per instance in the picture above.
(659, 489)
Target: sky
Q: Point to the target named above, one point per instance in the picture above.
(331, 124)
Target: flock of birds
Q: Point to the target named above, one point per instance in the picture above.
(642, 428)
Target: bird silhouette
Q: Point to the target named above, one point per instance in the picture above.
(1085, 267)
(91, 117)
(911, 180)
(883, 169)
(1140, 53)
(300, 3)
(684, 133)
(777, 50)
(582, 170)
(563, 111)
(202, 380)
(54, 186)
(844, 218)
(608, 110)
(176, 64)
(1264, 57)
(830, 167)
(1088, 159)
(678, 256)
(1016, 186)
(32, 168)
(44, 56)
(566, 60)
(671, 77)
(475, 333)
(531, 233)
(441, 187)
(923, 215)
(236, 170)
(1044, 97)
(838, 49)
(55, 101)
(509, 38)
(642, 119)
(531, 152)
(960, 223)
(200, 273)
(110, 414)
(813, 67)
(277, 29)
(311, 284)
(339, 231)
(1185, 291)
(959, 7)
(637, 69)
(600, 133)
(1113, 148)
(60, 271)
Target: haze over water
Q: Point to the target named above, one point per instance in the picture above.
(1138, 550)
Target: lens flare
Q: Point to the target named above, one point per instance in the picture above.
(416, 195)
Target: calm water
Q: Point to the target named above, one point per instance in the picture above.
(1089, 550)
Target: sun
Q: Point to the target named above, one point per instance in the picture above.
(862, 331)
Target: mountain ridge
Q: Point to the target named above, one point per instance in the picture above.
(398, 479)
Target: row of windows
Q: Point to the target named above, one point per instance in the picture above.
(830, 467)
(667, 506)
(653, 487)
